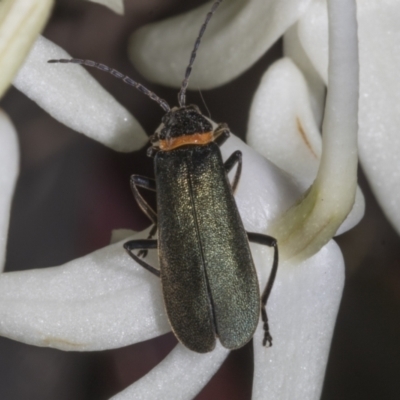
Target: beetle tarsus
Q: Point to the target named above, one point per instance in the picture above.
(143, 244)
(267, 341)
(270, 242)
(143, 253)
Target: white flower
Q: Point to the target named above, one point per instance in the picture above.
(104, 300)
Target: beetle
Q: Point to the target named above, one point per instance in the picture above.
(208, 277)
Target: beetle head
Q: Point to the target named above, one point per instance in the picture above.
(182, 126)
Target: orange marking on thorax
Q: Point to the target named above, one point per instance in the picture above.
(195, 138)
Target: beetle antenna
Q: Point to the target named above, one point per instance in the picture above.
(185, 82)
(126, 79)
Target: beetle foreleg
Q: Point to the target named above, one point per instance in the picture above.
(235, 158)
(149, 184)
(143, 244)
(270, 242)
(221, 134)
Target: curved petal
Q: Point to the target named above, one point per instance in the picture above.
(73, 97)
(379, 118)
(116, 5)
(293, 49)
(313, 35)
(309, 225)
(20, 23)
(181, 375)
(302, 312)
(100, 301)
(282, 128)
(238, 35)
(9, 156)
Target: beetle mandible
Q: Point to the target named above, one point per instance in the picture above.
(209, 281)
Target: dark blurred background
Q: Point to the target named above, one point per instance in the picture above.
(73, 191)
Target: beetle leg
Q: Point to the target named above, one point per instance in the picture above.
(221, 134)
(142, 244)
(235, 158)
(145, 183)
(271, 242)
(149, 184)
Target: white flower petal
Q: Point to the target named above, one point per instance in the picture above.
(72, 96)
(309, 225)
(20, 23)
(302, 312)
(264, 191)
(238, 35)
(379, 116)
(181, 375)
(293, 48)
(116, 5)
(316, 87)
(100, 301)
(9, 156)
(379, 102)
(282, 128)
(313, 35)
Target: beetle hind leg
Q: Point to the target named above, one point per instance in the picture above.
(270, 242)
(142, 244)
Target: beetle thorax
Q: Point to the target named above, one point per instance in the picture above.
(182, 126)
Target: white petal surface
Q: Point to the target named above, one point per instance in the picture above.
(293, 49)
(239, 33)
(116, 5)
(100, 301)
(379, 116)
(73, 97)
(9, 156)
(313, 35)
(264, 191)
(20, 23)
(302, 312)
(181, 375)
(282, 128)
